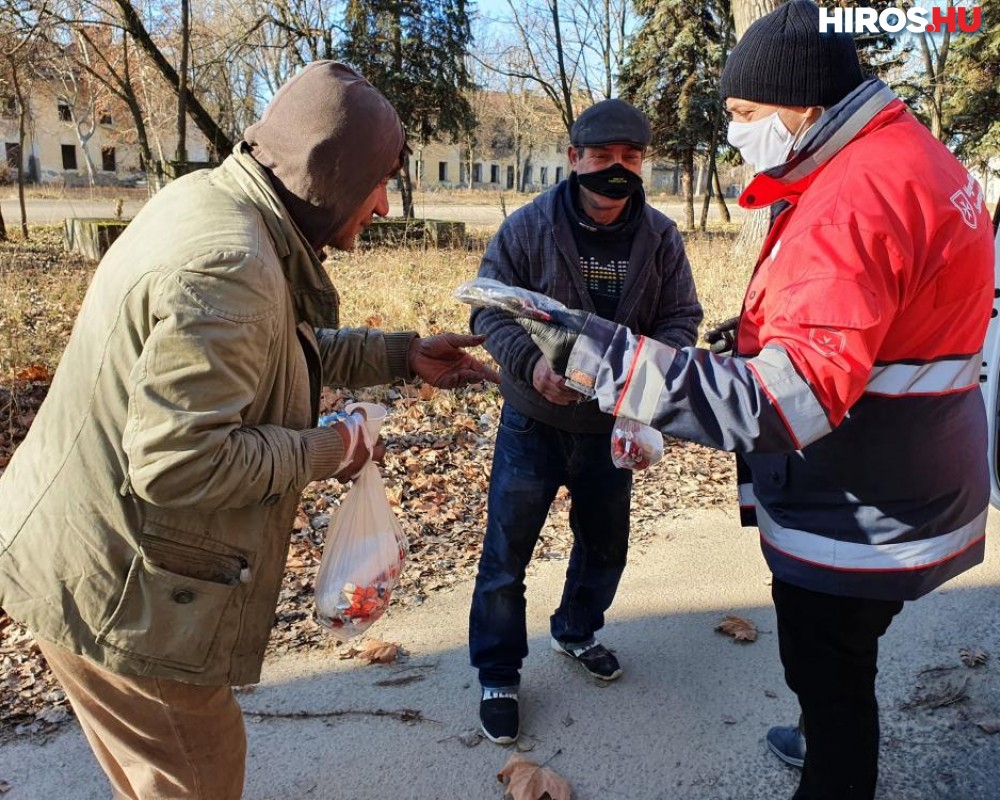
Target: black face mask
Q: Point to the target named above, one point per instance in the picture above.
(616, 182)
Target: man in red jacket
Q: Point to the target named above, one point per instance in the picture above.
(852, 395)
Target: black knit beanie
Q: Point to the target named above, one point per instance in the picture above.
(784, 60)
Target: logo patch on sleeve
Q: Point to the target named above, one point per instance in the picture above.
(827, 341)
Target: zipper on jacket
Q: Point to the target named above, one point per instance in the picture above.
(244, 570)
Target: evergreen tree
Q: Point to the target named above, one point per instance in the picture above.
(414, 52)
(972, 108)
(672, 73)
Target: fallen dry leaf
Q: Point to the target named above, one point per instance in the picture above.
(973, 656)
(5, 787)
(377, 652)
(35, 372)
(742, 630)
(523, 779)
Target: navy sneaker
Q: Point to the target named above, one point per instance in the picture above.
(788, 744)
(498, 715)
(593, 656)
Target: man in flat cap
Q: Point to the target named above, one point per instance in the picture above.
(593, 243)
(852, 397)
(146, 516)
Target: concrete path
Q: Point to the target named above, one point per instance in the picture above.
(685, 722)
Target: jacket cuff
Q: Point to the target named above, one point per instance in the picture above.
(397, 350)
(324, 452)
(585, 359)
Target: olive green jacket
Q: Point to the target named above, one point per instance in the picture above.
(146, 517)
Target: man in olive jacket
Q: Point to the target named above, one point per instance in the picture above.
(146, 516)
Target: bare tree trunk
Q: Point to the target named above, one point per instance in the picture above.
(406, 187)
(745, 12)
(706, 201)
(717, 123)
(720, 199)
(687, 188)
(182, 87)
(567, 91)
(220, 143)
(22, 111)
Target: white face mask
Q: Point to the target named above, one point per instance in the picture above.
(763, 143)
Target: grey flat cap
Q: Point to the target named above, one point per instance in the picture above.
(611, 122)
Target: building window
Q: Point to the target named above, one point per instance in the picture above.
(477, 173)
(494, 173)
(559, 174)
(13, 154)
(510, 177)
(69, 156)
(10, 107)
(107, 119)
(108, 159)
(528, 170)
(543, 173)
(442, 171)
(65, 112)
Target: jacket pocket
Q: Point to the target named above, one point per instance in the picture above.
(167, 617)
(193, 562)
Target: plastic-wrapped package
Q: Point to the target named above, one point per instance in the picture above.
(362, 560)
(513, 299)
(634, 445)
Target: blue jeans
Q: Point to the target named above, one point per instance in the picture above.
(530, 462)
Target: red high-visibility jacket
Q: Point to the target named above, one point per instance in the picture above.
(854, 395)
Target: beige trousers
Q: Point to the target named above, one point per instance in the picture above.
(156, 739)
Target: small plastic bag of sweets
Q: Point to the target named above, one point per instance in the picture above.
(513, 299)
(362, 559)
(635, 445)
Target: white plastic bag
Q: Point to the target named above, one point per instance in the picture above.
(635, 445)
(362, 559)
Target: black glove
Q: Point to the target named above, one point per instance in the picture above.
(722, 338)
(556, 338)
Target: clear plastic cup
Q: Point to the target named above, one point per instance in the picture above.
(375, 415)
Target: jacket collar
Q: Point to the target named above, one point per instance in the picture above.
(315, 299)
(851, 118)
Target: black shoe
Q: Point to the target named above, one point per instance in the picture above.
(498, 715)
(594, 656)
(788, 744)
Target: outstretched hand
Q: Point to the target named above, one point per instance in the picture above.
(440, 361)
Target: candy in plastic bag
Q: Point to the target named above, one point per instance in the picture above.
(634, 445)
(362, 559)
(513, 299)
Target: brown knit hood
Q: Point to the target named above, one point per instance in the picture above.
(326, 139)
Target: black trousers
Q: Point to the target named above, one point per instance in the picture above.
(829, 649)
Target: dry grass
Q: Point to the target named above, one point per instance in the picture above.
(41, 288)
